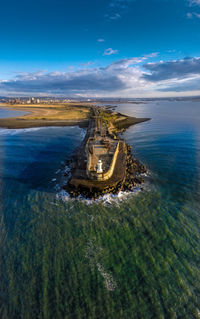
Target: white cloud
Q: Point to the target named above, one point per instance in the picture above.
(151, 55)
(128, 77)
(110, 51)
(120, 77)
(101, 40)
(178, 70)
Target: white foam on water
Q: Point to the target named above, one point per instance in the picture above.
(109, 281)
(67, 169)
(93, 254)
(83, 133)
(6, 131)
(19, 131)
(107, 199)
(63, 195)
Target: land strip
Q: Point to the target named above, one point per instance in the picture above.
(61, 114)
(104, 163)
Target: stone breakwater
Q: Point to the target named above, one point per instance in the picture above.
(133, 178)
(104, 163)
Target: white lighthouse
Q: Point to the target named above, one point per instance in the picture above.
(99, 167)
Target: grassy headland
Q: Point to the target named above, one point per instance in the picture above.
(61, 114)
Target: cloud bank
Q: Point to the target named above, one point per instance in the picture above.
(172, 69)
(130, 77)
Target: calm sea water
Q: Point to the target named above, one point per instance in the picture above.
(137, 256)
(10, 113)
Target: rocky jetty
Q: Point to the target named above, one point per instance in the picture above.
(119, 170)
(134, 172)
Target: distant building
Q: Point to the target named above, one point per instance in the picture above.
(16, 101)
(38, 101)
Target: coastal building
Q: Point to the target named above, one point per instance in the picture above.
(101, 157)
(99, 167)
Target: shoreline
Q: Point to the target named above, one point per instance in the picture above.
(67, 114)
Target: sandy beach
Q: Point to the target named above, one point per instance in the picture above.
(46, 115)
(62, 114)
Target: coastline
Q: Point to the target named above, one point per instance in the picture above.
(68, 114)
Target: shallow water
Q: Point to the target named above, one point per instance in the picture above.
(131, 258)
(4, 113)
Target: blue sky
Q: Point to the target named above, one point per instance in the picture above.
(114, 48)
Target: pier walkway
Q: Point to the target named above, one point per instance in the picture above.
(99, 146)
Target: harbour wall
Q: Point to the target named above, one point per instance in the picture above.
(105, 175)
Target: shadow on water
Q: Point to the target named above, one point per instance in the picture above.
(39, 174)
(34, 158)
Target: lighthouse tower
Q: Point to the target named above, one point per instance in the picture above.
(99, 167)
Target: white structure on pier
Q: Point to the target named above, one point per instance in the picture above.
(99, 167)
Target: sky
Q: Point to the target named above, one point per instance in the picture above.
(100, 48)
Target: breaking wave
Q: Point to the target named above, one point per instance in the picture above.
(107, 199)
(19, 130)
(6, 131)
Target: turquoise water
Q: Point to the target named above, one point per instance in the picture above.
(132, 257)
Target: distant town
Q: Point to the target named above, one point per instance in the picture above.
(49, 100)
(34, 100)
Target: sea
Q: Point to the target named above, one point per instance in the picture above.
(135, 255)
